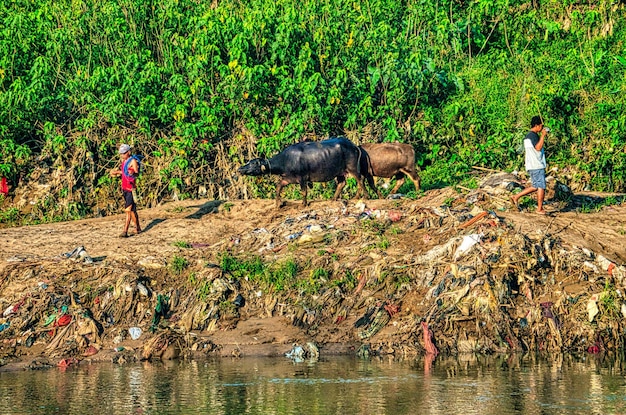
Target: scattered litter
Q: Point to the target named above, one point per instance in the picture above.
(467, 243)
(394, 215)
(67, 362)
(463, 276)
(167, 345)
(142, 290)
(91, 350)
(8, 311)
(429, 345)
(373, 325)
(592, 307)
(79, 253)
(199, 245)
(63, 321)
(239, 301)
(16, 259)
(152, 262)
(298, 353)
(135, 332)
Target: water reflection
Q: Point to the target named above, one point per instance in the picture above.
(341, 385)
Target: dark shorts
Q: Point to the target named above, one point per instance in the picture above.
(129, 200)
(538, 178)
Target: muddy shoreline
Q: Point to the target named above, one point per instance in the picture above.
(352, 277)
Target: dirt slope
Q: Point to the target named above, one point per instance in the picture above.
(207, 222)
(35, 275)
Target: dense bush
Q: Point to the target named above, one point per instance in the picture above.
(200, 86)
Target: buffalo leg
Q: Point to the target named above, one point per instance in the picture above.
(279, 187)
(399, 182)
(361, 185)
(414, 177)
(370, 181)
(304, 188)
(341, 182)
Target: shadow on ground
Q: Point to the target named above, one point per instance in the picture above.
(586, 203)
(152, 224)
(203, 209)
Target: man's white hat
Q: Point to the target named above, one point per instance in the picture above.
(124, 148)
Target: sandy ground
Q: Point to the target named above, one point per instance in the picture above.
(207, 223)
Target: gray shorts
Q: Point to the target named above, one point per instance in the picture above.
(538, 178)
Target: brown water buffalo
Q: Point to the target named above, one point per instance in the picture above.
(311, 161)
(389, 160)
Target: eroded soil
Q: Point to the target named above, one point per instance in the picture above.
(388, 247)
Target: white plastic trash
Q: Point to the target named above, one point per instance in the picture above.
(135, 332)
(468, 242)
(142, 289)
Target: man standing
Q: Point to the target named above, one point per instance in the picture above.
(129, 169)
(535, 163)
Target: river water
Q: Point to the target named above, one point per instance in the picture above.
(337, 385)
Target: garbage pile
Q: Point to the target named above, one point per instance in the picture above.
(404, 277)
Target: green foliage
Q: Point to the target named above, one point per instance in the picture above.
(609, 300)
(383, 243)
(395, 230)
(242, 268)
(597, 204)
(312, 285)
(192, 84)
(375, 226)
(347, 282)
(283, 275)
(278, 276)
(448, 201)
(182, 244)
(10, 216)
(402, 279)
(178, 264)
(203, 290)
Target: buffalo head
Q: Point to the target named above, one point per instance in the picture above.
(255, 167)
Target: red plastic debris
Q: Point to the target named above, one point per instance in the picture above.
(431, 349)
(67, 362)
(394, 215)
(392, 309)
(4, 187)
(64, 320)
(611, 268)
(359, 287)
(91, 350)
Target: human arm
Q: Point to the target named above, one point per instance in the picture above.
(541, 141)
(133, 168)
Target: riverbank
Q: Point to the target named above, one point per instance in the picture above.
(243, 278)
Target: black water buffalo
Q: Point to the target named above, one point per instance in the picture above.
(311, 161)
(389, 160)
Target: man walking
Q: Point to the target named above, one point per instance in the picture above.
(535, 162)
(129, 169)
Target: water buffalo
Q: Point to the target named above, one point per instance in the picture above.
(311, 161)
(389, 160)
